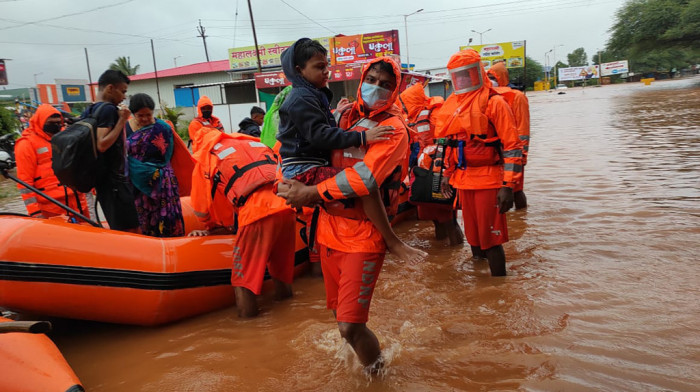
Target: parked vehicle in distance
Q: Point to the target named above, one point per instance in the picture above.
(561, 86)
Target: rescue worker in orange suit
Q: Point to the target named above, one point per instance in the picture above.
(205, 118)
(33, 157)
(483, 157)
(521, 111)
(420, 112)
(232, 187)
(352, 249)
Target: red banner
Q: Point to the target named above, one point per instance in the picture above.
(271, 79)
(362, 48)
(3, 73)
(409, 79)
(345, 72)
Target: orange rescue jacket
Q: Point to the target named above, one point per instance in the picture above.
(484, 150)
(381, 163)
(230, 178)
(33, 157)
(199, 121)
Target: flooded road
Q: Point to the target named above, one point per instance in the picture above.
(602, 291)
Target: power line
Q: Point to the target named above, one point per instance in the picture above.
(305, 16)
(64, 16)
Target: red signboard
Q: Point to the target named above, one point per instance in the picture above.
(3, 73)
(271, 79)
(408, 79)
(362, 48)
(346, 72)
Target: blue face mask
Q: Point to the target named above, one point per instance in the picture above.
(374, 96)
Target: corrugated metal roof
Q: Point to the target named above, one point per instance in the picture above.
(199, 68)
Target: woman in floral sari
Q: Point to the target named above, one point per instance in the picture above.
(149, 150)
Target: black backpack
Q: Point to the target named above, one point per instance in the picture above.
(74, 153)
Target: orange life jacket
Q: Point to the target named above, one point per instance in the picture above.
(476, 149)
(423, 127)
(350, 156)
(243, 166)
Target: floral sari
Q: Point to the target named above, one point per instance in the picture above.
(156, 193)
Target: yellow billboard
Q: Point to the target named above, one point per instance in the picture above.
(512, 53)
(244, 58)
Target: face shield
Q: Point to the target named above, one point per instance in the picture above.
(467, 78)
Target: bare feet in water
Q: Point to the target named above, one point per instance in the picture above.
(406, 252)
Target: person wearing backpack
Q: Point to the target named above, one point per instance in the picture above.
(114, 192)
(33, 156)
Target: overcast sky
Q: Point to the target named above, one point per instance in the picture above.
(45, 39)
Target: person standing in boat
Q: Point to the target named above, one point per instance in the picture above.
(205, 117)
(150, 144)
(232, 192)
(33, 157)
(352, 248)
(114, 191)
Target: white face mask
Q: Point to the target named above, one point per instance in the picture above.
(374, 96)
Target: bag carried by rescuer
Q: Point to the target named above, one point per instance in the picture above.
(425, 182)
(74, 153)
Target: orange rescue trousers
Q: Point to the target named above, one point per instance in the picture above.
(265, 242)
(484, 226)
(349, 279)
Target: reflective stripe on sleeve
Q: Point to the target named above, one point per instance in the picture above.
(513, 154)
(513, 167)
(341, 179)
(31, 200)
(366, 176)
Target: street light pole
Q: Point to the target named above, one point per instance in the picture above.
(405, 26)
(556, 74)
(481, 35)
(35, 75)
(175, 59)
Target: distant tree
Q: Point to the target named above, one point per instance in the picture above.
(8, 121)
(124, 64)
(534, 72)
(173, 115)
(656, 35)
(577, 58)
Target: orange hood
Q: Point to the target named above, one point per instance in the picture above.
(500, 72)
(464, 113)
(359, 109)
(414, 99)
(36, 123)
(203, 101)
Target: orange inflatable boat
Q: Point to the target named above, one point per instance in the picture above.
(30, 362)
(54, 268)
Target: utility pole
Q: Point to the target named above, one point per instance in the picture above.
(201, 30)
(600, 69)
(87, 61)
(255, 37)
(155, 69)
(405, 25)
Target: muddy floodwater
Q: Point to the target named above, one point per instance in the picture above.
(602, 292)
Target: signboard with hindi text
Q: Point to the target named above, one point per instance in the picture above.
(245, 58)
(578, 73)
(3, 74)
(614, 68)
(512, 53)
(361, 48)
(337, 73)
